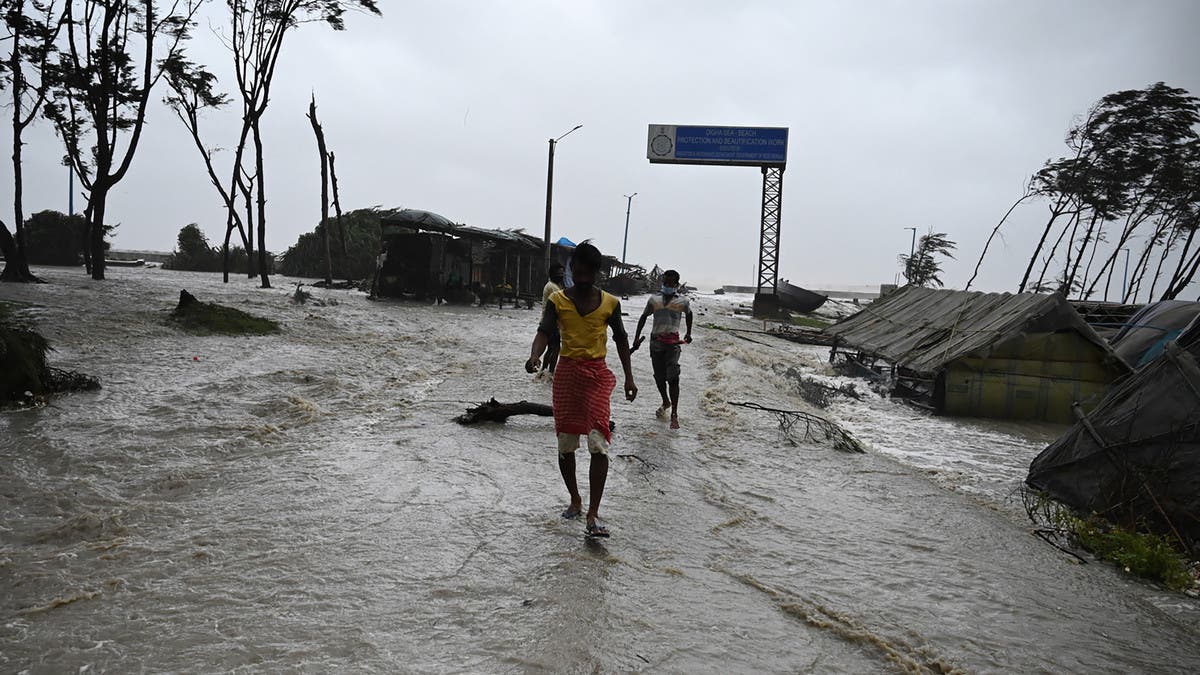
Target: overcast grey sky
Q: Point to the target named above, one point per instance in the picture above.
(926, 114)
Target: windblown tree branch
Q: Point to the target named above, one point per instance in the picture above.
(1029, 193)
(100, 87)
(1130, 184)
(923, 268)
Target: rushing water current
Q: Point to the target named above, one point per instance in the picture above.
(305, 501)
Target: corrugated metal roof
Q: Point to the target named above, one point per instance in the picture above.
(923, 329)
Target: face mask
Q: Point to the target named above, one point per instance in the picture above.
(667, 290)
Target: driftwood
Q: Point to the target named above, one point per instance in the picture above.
(494, 411)
(814, 428)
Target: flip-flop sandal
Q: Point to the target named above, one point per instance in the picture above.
(596, 531)
(571, 514)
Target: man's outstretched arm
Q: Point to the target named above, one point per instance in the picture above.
(623, 351)
(637, 337)
(541, 340)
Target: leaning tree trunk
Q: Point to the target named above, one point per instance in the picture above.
(1055, 212)
(995, 231)
(1053, 251)
(1087, 239)
(1174, 288)
(1185, 278)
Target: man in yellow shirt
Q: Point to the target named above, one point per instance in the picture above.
(583, 384)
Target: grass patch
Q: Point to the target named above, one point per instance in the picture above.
(809, 321)
(1145, 554)
(205, 318)
(1150, 556)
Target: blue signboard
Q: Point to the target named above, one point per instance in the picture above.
(737, 146)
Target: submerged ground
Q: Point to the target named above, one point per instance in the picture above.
(304, 501)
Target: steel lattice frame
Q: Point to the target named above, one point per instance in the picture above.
(768, 244)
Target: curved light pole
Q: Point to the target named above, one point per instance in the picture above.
(550, 188)
(628, 206)
(912, 251)
(1125, 278)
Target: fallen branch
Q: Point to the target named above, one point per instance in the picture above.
(494, 411)
(815, 428)
(1044, 535)
(648, 465)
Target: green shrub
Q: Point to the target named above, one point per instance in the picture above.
(22, 358)
(1145, 554)
(809, 321)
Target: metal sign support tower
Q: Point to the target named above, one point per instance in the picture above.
(762, 147)
(766, 296)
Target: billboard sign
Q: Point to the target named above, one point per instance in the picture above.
(729, 146)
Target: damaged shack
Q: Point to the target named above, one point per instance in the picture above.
(1024, 356)
(427, 256)
(1135, 458)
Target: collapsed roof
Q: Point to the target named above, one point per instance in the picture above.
(1135, 459)
(923, 329)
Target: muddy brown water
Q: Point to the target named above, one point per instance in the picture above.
(305, 502)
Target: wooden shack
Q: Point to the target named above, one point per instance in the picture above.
(1025, 356)
(427, 255)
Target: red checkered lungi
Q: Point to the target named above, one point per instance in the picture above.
(582, 396)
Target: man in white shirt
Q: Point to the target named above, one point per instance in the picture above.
(667, 307)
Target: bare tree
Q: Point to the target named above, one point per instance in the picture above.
(255, 38)
(33, 27)
(192, 94)
(324, 154)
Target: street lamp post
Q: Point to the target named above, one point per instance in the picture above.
(912, 251)
(70, 186)
(550, 189)
(1125, 278)
(625, 245)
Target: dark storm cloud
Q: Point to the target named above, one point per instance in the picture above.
(927, 114)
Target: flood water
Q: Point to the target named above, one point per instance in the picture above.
(306, 502)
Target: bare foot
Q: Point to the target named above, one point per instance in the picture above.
(661, 413)
(674, 422)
